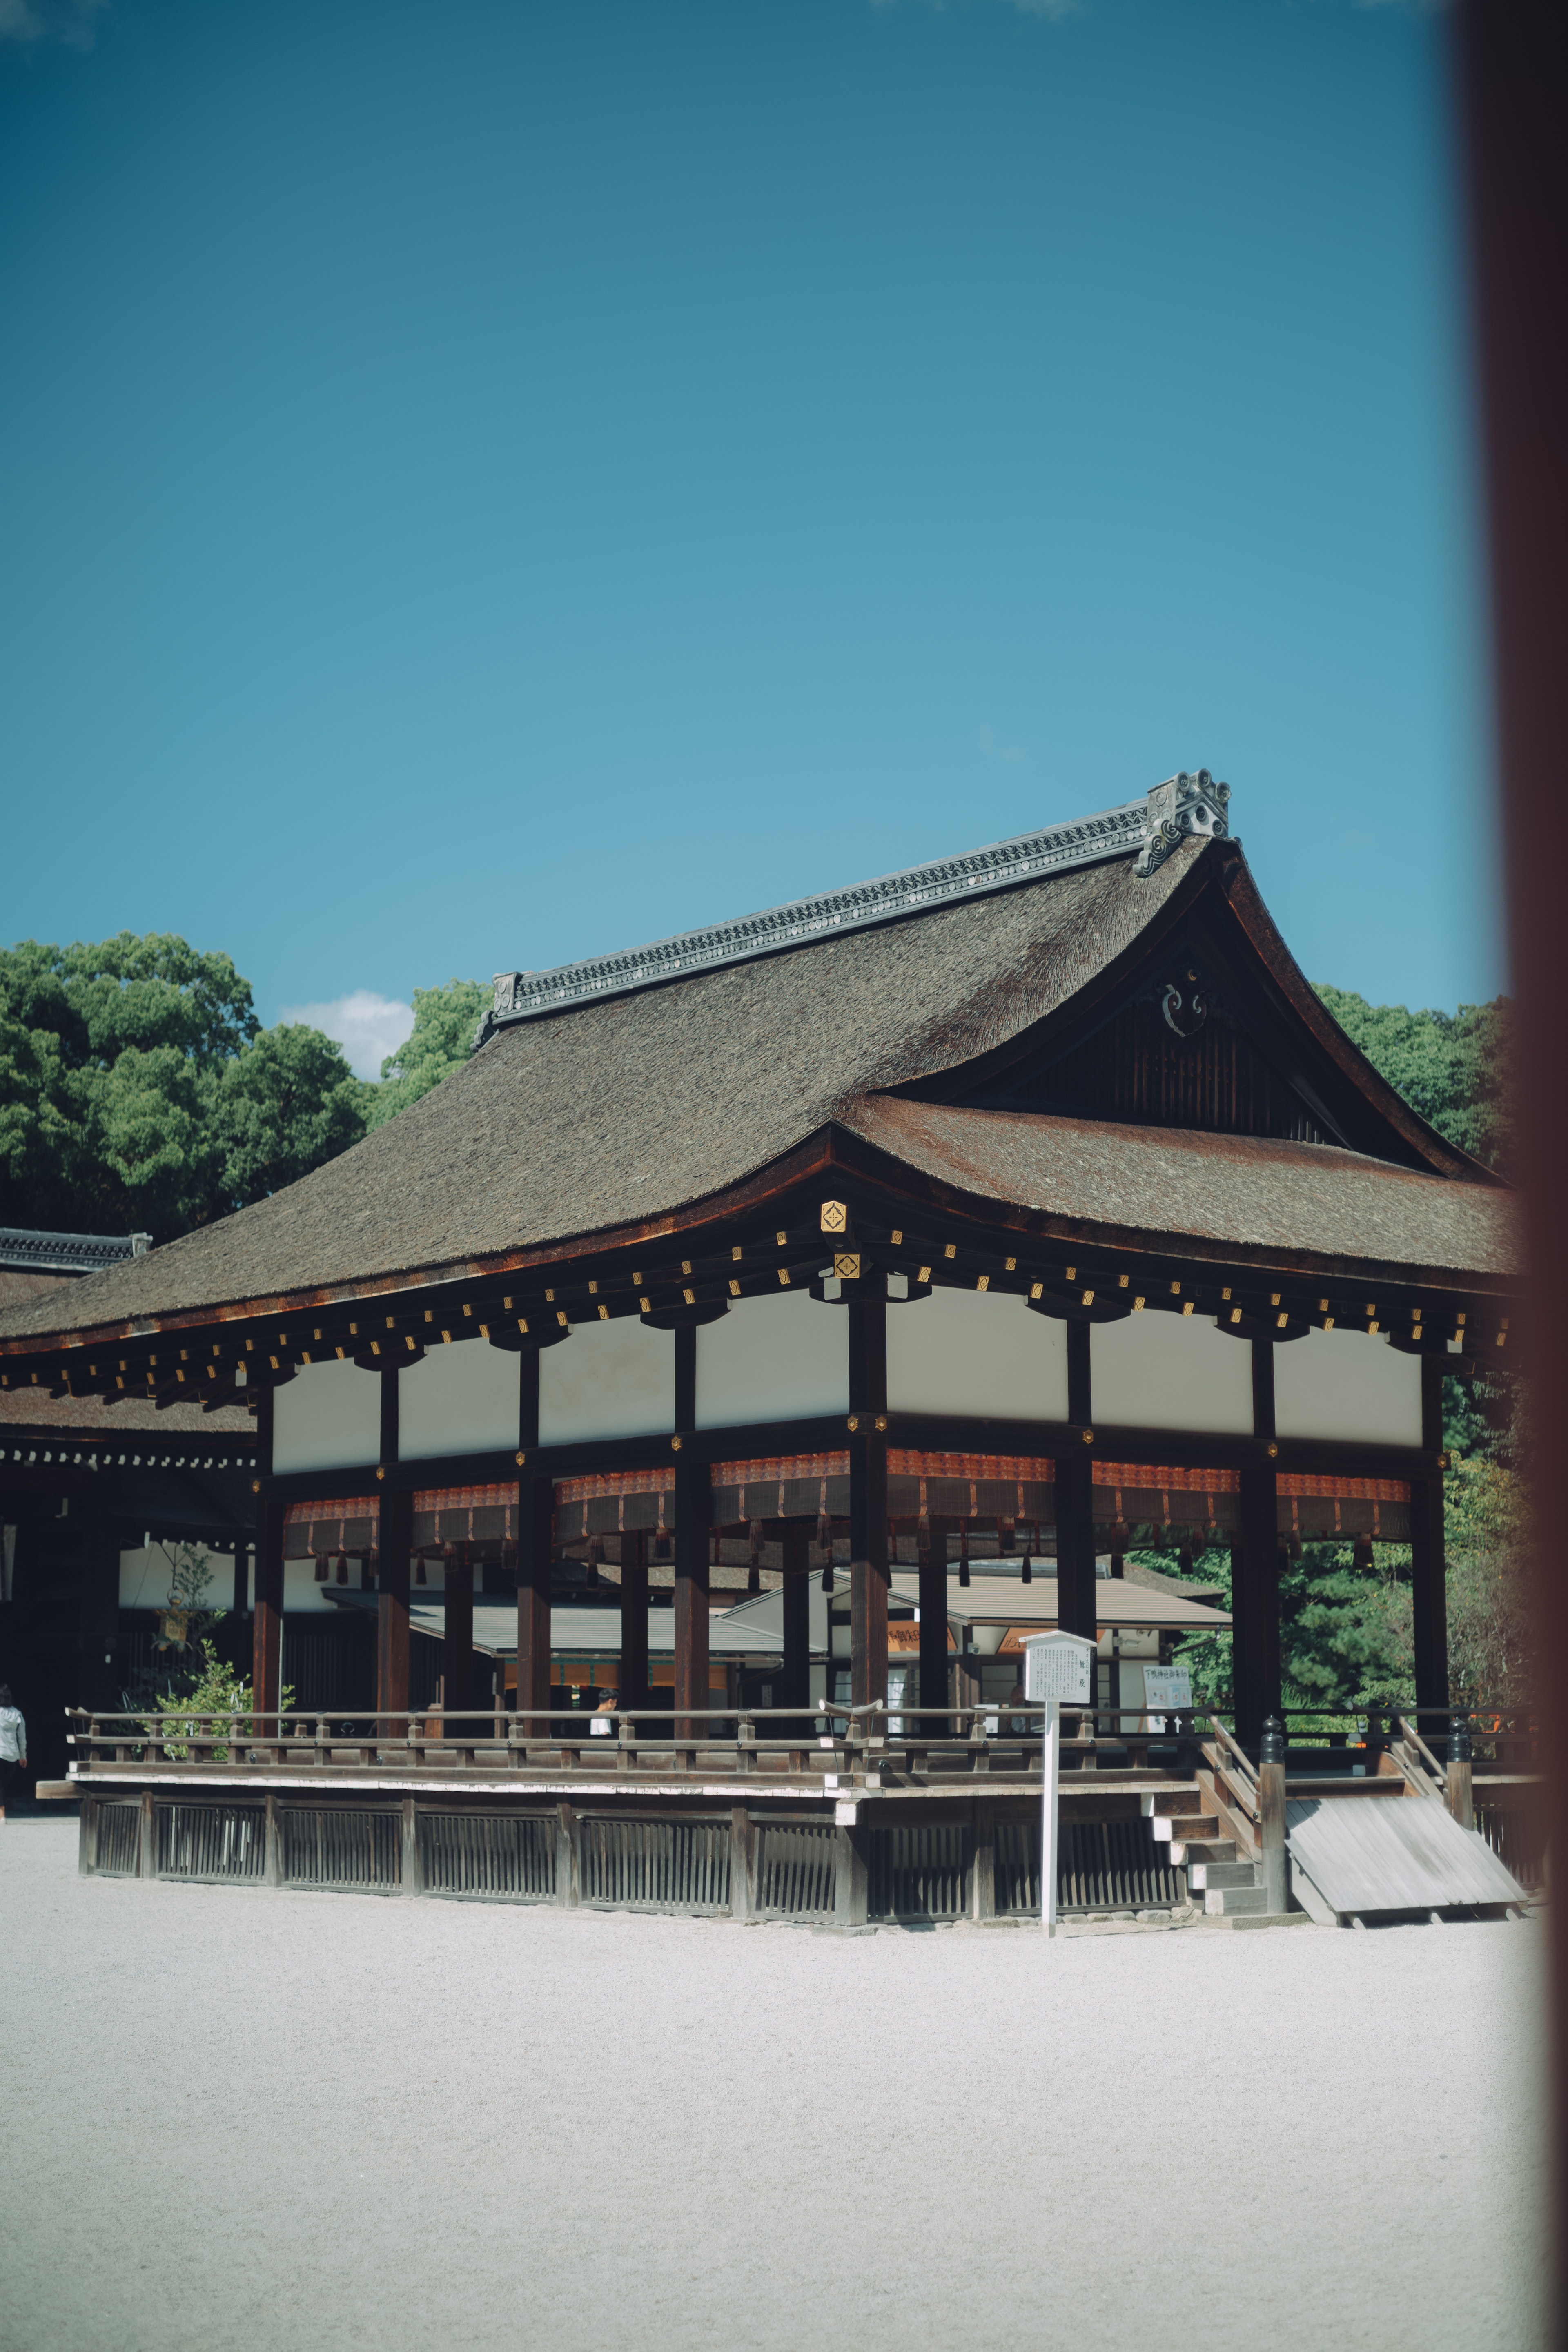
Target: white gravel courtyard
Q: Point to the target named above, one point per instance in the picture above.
(277, 2120)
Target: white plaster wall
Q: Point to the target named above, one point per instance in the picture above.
(608, 1380)
(463, 1399)
(303, 1593)
(144, 1576)
(1170, 1371)
(966, 1351)
(1346, 1384)
(773, 1359)
(328, 1417)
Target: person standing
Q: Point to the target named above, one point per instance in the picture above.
(602, 1722)
(12, 1744)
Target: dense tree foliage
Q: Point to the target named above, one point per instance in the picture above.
(138, 1092)
(1453, 1067)
(445, 1020)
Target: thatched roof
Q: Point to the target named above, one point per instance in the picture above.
(611, 1117)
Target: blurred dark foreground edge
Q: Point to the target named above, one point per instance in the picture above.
(1511, 60)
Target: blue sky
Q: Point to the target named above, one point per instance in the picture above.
(488, 484)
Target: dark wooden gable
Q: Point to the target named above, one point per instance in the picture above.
(1204, 1025)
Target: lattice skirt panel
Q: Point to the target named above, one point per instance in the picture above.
(499, 1854)
(655, 1866)
(336, 1847)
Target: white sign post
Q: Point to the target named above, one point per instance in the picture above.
(1058, 1668)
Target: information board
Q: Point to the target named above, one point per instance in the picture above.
(1167, 1687)
(1059, 1666)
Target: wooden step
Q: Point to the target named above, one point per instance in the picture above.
(1179, 1826)
(1224, 1902)
(1202, 1875)
(1187, 1851)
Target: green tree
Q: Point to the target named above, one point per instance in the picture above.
(441, 1041)
(211, 1688)
(138, 1092)
(286, 1105)
(1453, 1067)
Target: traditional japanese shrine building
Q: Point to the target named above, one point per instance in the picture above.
(1008, 1208)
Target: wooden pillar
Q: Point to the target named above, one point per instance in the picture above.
(97, 1614)
(851, 1878)
(392, 1611)
(241, 1604)
(267, 1624)
(1258, 1645)
(868, 1602)
(795, 1687)
(1075, 1544)
(1255, 1567)
(693, 1517)
(1459, 1773)
(634, 1689)
(535, 1533)
(1428, 1566)
(1428, 1595)
(868, 1502)
(935, 1655)
(458, 1649)
(1075, 1499)
(388, 1453)
(1271, 1821)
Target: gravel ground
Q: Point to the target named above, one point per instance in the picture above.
(284, 2120)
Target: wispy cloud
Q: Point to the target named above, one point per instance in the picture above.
(367, 1026)
(28, 22)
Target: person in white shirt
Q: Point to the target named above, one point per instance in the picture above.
(601, 1723)
(13, 1744)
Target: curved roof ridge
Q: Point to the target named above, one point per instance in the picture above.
(1183, 805)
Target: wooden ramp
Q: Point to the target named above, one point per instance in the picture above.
(1355, 1859)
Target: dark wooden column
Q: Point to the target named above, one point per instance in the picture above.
(1075, 1499)
(693, 1518)
(868, 1567)
(794, 1685)
(241, 1605)
(868, 1502)
(634, 1690)
(267, 1624)
(535, 1533)
(392, 1610)
(1255, 1567)
(98, 1614)
(935, 1656)
(1075, 1543)
(1257, 1635)
(458, 1649)
(1428, 1565)
(388, 1453)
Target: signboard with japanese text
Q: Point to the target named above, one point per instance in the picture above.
(1059, 1666)
(1167, 1687)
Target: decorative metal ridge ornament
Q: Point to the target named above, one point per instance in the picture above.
(1183, 804)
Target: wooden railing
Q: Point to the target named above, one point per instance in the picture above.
(835, 1740)
(1234, 1779)
(1503, 1738)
